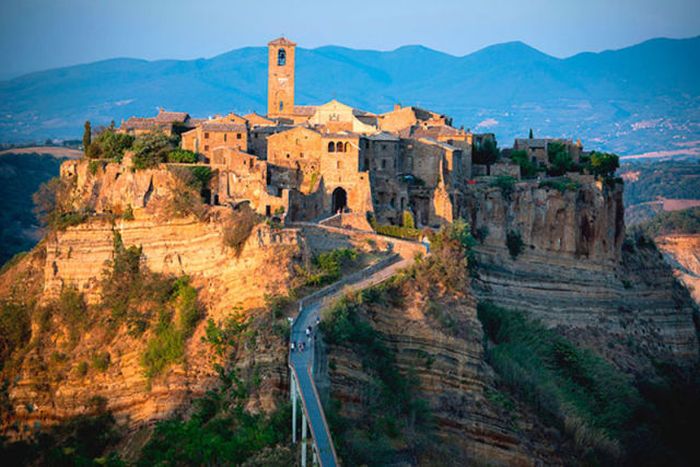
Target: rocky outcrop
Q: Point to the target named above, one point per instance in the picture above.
(450, 374)
(50, 389)
(682, 252)
(574, 274)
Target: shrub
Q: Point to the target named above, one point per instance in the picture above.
(327, 266)
(150, 150)
(82, 368)
(506, 184)
(515, 243)
(528, 169)
(100, 361)
(560, 185)
(110, 145)
(72, 309)
(407, 220)
(182, 156)
(128, 214)
(227, 336)
(15, 329)
(410, 233)
(167, 345)
(238, 227)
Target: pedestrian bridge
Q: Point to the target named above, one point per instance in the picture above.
(303, 391)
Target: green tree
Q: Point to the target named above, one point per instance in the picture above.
(151, 149)
(559, 159)
(485, 153)
(87, 138)
(111, 145)
(527, 168)
(604, 164)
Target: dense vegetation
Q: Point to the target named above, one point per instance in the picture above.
(222, 432)
(392, 412)
(21, 175)
(611, 418)
(668, 179)
(150, 149)
(686, 221)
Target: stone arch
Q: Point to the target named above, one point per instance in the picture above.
(339, 199)
(331, 147)
(339, 146)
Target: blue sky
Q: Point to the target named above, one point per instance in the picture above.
(41, 34)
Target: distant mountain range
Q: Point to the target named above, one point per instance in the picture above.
(633, 100)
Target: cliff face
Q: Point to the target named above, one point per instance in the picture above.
(682, 252)
(574, 274)
(448, 371)
(49, 387)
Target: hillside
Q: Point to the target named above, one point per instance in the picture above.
(151, 327)
(638, 99)
(655, 187)
(20, 177)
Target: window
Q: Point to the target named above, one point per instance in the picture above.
(383, 147)
(206, 135)
(339, 147)
(347, 147)
(281, 57)
(238, 136)
(287, 156)
(206, 147)
(225, 137)
(383, 164)
(337, 165)
(281, 106)
(331, 147)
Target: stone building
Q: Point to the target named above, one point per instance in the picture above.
(214, 134)
(307, 162)
(170, 123)
(537, 148)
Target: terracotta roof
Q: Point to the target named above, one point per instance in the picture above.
(171, 117)
(218, 126)
(383, 136)
(282, 41)
(304, 110)
(139, 123)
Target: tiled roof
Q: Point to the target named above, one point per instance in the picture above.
(218, 126)
(304, 110)
(171, 117)
(282, 41)
(138, 123)
(383, 136)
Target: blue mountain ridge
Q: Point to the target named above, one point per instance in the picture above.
(640, 98)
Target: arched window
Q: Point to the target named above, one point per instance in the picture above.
(281, 57)
(347, 147)
(331, 147)
(340, 147)
(281, 106)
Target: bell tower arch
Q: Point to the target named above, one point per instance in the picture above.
(280, 77)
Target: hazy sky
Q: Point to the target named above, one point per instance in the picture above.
(41, 34)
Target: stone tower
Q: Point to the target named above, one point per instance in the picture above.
(280, 77)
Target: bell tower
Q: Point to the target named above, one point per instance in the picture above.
(280, 77)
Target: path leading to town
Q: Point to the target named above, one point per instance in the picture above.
(302, 362)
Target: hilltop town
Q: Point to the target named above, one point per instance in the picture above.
(305, 162)
(401, 289)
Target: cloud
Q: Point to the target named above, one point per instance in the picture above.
(488, 123)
